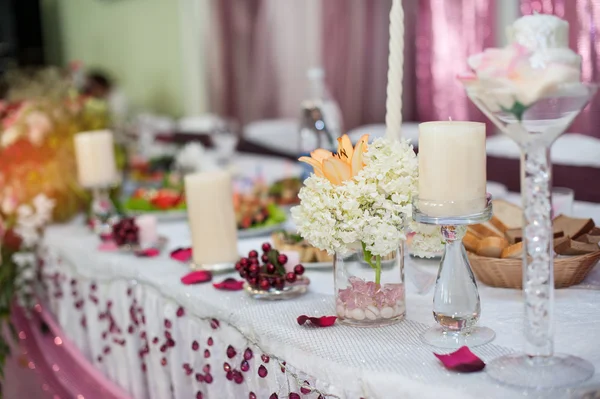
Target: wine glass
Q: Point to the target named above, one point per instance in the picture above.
(535, 128)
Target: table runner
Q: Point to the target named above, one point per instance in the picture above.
(116, 289)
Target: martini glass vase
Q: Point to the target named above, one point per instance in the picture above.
(534, 128)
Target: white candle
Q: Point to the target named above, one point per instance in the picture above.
(293, 260)
(209, 199)
(393, 104)
(452, 162)
(147, 233)
(95, 154)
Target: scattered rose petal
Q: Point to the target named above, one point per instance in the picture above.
(229, 284)
(462, 360)
(182, 254)
(147, 253)
(106, 237)
(108, 246)
(199, 276)
(323, 321)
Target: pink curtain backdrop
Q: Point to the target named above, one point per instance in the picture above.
(259, 52)
(355, 56)
(447, 33)
(584, 20)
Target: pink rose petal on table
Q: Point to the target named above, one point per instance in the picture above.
(199, 276)
(462, 360)
(182, 254)
(323, 321)
(147, 253)
(229, 284)
(108, 246)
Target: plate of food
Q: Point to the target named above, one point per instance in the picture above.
(310, 257)
(285, 191)
(165, 203)
(257, 216)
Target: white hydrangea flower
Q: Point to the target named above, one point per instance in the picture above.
(373, 208)
(30, 220)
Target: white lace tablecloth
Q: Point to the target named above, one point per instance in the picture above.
(157, 338)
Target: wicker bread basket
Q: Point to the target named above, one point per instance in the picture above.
(508, 273)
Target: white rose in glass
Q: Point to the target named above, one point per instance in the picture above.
(504, 77)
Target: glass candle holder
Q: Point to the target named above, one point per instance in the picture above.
(456, 303)
(535, 127)
(103, 213)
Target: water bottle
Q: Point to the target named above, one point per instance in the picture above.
(321, 118)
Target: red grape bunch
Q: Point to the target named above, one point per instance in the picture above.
(271, 273)
(125, 232)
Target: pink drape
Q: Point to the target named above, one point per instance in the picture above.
(584, 20)
(448, 32)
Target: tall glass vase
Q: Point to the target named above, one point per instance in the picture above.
(534, 129)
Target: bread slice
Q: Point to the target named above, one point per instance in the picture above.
(514, 251)
(516, 235)
(561, 244)
(484, 230)
(593, 237)
(491, 247)
(573, 227)
(577, 248)
(471, 241)
(506, 215)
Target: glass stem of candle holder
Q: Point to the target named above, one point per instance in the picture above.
(102, 212)
(538, 273)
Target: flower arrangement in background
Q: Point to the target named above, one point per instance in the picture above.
(361, 197)
(38, 181)
(514, 77)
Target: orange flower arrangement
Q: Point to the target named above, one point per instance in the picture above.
(343, 165)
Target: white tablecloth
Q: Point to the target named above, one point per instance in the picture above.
(122, 312)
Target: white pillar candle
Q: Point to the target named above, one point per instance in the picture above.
(209, 199)
(293, 260)
(95, 154)
(147, 233)
(452, 162)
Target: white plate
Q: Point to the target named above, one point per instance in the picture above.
(497, 190)
(162, 216)
(260, 231)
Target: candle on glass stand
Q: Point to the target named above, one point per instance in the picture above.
(209, 199)
(452, 168)
(97, 170)
(95, 155)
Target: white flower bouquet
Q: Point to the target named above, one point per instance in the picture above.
(361, 197)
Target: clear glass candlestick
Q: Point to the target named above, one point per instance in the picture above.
(534, 128)
(103, 213)
(456, 303)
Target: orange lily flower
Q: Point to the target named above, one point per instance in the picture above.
(342, 166)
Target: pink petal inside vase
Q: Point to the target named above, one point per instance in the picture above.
(200, 276)
(229, 284)
(462, 360)
(323, 321)
(182, 254)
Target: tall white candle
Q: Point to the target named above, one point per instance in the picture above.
(147, 232)
(452, 167)
(393, 104)
(209, 198)
(95, 155)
